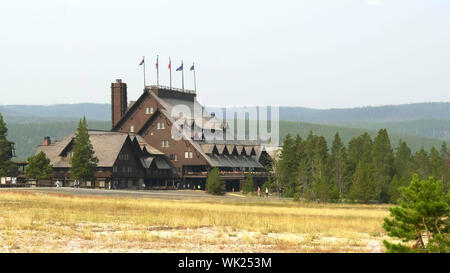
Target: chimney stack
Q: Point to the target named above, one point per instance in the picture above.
(118, 101)
(47, 141)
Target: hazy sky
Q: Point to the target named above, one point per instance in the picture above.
(316, 53)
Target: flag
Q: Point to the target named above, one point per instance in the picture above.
(180, 68)
(170, 64)
(156, 62)
(142, 62)
(192, 67)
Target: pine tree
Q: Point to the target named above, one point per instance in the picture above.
(359, 150)
(7, 167)
(403, 161)
(38, 167)
(249, 185)
(382, 162)
(214, 184)
(288, 165)
(83, 161)
(445, 155)
(424, 212)
(444, 151)
(337, 160)
(320, 159)
(436, 164)
(421, 164)
(393, 189)
(363, 188)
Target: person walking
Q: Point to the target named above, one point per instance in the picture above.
(267, 192)
(280, 192)
(259, 191)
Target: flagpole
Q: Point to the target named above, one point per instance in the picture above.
(143, 58)
(182, 75)
(157, 70)
(170, 68)
(195, 83)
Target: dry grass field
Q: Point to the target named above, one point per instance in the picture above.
(33, 221)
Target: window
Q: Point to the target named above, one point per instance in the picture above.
(130, 169)
(188, 155)
(149, 110)
(174, 157)
(164, 143)
(114, 169)
(132, 129)
(160, 125)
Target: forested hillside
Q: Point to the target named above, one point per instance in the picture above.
(328, 131)
(28, 136)
(416, 111)
(435, 110)
(367, 168)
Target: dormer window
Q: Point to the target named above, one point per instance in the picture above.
(160, 125)
(164, 143)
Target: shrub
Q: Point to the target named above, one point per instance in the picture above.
(215, 185)
(248, 184)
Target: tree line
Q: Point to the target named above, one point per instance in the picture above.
(365, 170)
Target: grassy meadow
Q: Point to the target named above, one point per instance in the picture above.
(50, 222)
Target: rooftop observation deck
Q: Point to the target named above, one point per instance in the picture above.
(168, 88)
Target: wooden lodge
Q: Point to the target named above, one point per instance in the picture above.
(174, 122)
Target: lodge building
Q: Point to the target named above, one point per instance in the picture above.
(164, 139)
(174, 122)
(125, 161)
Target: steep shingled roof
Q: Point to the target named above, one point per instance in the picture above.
(107, 146)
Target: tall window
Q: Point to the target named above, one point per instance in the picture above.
(132, 129)
(149, 110)
(160, 125)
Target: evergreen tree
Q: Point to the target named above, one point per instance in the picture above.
(337, 160)
(363, 188)
(421, 164)
(249, 185)
(83, 161)
(320, 159)
(38, 167)
(393, 189)
(7, 167)
(359, 150)
(214, 184)
(288, 165)
(382, 164)
(403, 161)
(444, 151)
(436, 164)
(424, 212)
(445, 155)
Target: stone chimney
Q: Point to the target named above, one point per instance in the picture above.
(47, 141)
(118, 101)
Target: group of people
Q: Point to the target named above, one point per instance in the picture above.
(280, 191)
